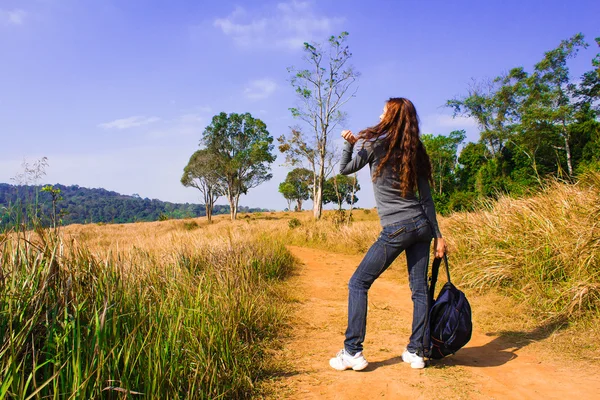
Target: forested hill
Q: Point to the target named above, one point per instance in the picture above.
(82, 205)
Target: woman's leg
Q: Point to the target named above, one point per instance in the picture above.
(376, 261)
(417, 259)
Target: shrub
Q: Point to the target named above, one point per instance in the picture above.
(190, 225)
(294, 223)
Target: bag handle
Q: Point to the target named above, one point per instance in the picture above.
(435, 268)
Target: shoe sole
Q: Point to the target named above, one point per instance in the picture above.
(359, 367)
(413, 365)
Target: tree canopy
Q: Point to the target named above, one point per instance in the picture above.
(243, 153)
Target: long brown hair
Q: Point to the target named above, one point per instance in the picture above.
(406, 152)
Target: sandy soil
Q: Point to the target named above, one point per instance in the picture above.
(489, 367)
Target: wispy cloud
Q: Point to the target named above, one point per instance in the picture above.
(130, 122)
(190, 124)
(12, 17)
(287, 26)
(260, 89)
(448, 121)
(445, 122)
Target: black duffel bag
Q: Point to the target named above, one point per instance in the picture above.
(449, 324)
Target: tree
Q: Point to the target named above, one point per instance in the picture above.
(323, 88)
(472, 157)
(201, 173)
(442, 152)
(288, 192)
(243, 152)
(56, 197)
(494, 106)
(301, 180)
(550, 98)
(341, 189)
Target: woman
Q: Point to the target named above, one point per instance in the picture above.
(400, 167)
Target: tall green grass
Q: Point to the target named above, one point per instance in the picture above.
(193, 322)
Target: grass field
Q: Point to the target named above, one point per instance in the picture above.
(184, 309)
(118, 310)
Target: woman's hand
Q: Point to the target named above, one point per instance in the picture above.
(348, 136)
(440, 247)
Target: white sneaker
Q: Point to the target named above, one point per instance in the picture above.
(343, 361)
(413, 359)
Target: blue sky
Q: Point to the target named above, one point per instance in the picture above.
(116, 93)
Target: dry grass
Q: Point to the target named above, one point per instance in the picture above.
(151, 308)
(530, 266)
(544, 250)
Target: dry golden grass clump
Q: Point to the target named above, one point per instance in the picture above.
(544, 250)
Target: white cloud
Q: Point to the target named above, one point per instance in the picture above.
(442, 124)
(12, 17)
(185, 125)
(260, 89)
(448, 121)
(130, 122)
(288, 26)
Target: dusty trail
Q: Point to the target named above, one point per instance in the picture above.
(488, 368)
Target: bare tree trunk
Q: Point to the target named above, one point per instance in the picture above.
(235, 207)
(318, 200)
(337, 193)
(441, 176)
(568, 151)
(232, 205)
(352, 198)
(299, 206)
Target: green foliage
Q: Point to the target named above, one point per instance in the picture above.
(534, 126)
(340, 189)
(200, 173)
(163, 217)
(82, 205)
(297, 187)
(442, 153)
(242, 152)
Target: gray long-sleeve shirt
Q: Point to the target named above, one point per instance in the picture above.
(391, 205)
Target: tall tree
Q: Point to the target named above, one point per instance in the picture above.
(494, 106)
(323, 88)
(243, 152)
(588, 90)
(551, 93)
(201, 173)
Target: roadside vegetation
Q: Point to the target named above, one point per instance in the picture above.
(167, 313)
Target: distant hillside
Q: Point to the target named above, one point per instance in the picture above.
(82, 205)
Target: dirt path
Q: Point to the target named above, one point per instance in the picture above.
(488, 368)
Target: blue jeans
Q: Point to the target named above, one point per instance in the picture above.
(413, 236)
